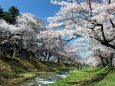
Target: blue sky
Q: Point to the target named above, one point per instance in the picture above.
(40, 8)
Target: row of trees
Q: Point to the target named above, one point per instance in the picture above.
(29, 38)
(90, 21)
(94, 20)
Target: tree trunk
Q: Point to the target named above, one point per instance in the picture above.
(102, 61)
(14, 53)
(58, 60)
(49, 55)
(44, 58)
(111, 60)
(107, 62)
(4, 53)
(48, 58)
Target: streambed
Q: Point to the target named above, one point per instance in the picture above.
(44, 81)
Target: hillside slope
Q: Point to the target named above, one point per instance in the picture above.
(16, 70)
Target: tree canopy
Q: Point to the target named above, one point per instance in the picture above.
(90, 23)
(9, 16)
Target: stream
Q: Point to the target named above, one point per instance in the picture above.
(44, 81)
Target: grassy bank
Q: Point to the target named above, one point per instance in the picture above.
(85, 77)
(109, 80)
(16, 70)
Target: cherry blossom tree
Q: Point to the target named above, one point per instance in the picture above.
(92, 19)
(103, 54)
(30, 36)
(21, 35)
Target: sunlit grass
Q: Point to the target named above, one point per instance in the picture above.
(81, 77)
(109, 80)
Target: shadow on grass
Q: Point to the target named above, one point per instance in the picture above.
(9, 75)
(16, 65)
(97, 78)
(38, 65)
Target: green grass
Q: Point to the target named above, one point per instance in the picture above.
(109, 80)
(83, 77)
(12, 79)
(16, 64)
(16, 70)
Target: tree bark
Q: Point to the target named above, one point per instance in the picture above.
(111, 60)
(14, 53)
(58, 60)
(102, 61)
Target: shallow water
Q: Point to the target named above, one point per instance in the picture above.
(44, 81)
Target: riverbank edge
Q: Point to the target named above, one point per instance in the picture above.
(27, 76)
(84, 77)
(17, 70)
(33, 75)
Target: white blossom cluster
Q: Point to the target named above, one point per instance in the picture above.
(92, 19)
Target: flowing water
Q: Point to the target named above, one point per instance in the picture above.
(44, 81)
